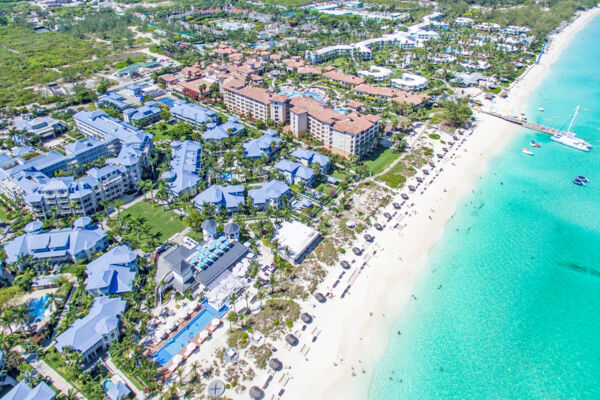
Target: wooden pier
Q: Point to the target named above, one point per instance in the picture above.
(527, 124)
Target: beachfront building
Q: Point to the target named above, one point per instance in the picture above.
(377, 74)
(58, 245)
(113, 272)
(265, 145)
(205, 266)
(295, 172)
(219, 132)
(329, 52)
(410, 82)
(295, 240)
(183, 178)
(254, 102)
(271, 193)
(192, 114)
(228, 198)
(345, 135)
(42, 127)
(118, 391)
(309, 157)
(93, 334)
(21, 391)
(147, 114)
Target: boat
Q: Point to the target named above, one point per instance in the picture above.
(534, 144)
(582, 178)
(578, 182)
(530, 153)
(570, 139)
(541, 108)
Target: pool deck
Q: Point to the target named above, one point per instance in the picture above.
(151, 350)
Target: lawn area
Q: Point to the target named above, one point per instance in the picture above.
(325, 188)
(159, 220)
(3, 214)
(379, 160)
(396, 177)
(340, 174)
(160, 131)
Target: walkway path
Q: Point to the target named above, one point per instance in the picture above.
(49, 373)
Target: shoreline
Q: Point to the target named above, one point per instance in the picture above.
(352, 332)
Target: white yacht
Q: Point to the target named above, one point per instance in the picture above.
(569, 138)
(571, 141)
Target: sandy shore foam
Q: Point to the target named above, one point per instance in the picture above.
(352, 332)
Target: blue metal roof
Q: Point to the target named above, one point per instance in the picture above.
(270, 191)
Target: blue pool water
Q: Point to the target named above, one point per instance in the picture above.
(188, 332)
(107, 384)
(343, 111)
(517, 315)
(38, 308)
(307, 93)
(227, 176)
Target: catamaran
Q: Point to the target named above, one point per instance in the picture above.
(569, 138)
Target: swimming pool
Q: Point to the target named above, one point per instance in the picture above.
(38, 308)
(227, 176)
(107, 384)
(292, 94)
(342, 111)
(188, 332)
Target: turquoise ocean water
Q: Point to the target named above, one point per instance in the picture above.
(518, 312)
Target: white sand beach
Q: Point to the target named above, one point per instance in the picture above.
(352, 332)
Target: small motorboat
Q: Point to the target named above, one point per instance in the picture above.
(529, 153)
(541, 109)
(534, 144)
(582, 178)
(578, 182)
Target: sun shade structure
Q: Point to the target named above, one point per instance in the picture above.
(306, 318)
(256, 393)
(320, 298)
(216, 388)
(291, 339)
(275, 364)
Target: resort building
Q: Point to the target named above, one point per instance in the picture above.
(147, 114)
(229, 198)
(265, 145)
(343, 79)
(345, 135)
(410, 82)
(21, 391)
(192, 114)
(296, 240)
(203, 266)
(219, 132)
(295, 172)
(93, 334)
(270, 194)
(255, 102)
(58, 245)
(113, 100)
(309, 157)
(462, 21)
(112, 272)
(42, 127)
(183, 178)
(378, 74)
(133, 146)
(118, 391)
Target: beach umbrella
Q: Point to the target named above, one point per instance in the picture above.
(215, 323)
(291, 339)
(203, 335)
(275, 364)
(256, 393)
(306, 318)
(320, 298)
(190, 348)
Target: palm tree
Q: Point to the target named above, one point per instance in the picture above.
(118, 204)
